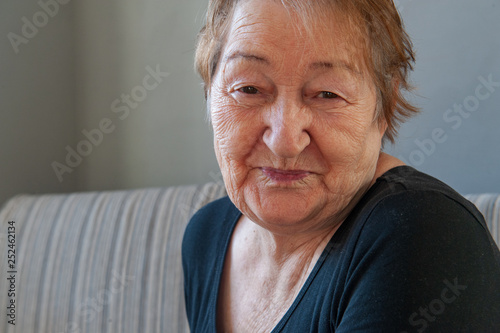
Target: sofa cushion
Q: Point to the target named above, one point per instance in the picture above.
(102, 261)
(489, 206)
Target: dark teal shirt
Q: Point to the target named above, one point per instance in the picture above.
(413, 256)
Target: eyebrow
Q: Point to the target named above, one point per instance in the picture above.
(314, 66)
(246, 56)
(337, 64)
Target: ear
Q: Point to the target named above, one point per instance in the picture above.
(382, 126)
(383, 122)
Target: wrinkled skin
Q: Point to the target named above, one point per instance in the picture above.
(293, 121)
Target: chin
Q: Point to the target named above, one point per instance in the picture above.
(278, 208)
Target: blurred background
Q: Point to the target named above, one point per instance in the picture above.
(102, 95)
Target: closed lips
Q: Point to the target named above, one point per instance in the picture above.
(277, 174)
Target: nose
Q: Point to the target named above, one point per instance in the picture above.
(286, 134)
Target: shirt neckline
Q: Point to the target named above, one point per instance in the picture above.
(220, 266)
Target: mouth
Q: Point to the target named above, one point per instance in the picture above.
(285, 176)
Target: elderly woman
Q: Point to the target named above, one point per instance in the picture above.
(322, 232)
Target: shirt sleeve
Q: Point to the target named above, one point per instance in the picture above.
(421, 262)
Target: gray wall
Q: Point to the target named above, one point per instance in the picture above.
(164, 139)
(36, 97)
(93, 53)
(458, 47)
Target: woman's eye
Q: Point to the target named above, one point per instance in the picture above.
(327, 95)
(249, 90)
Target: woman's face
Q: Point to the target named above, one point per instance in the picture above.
(293, 118)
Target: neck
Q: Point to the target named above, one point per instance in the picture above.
(385, 163)
(281, 251)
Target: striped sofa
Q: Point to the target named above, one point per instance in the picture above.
(108, 261)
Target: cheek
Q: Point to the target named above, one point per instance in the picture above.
(224, 125)
(351, 150)
(233, 143)
(235, 127)
(234, 136)
(367, 150)
(342, 138)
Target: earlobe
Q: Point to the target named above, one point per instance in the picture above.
(381, 121)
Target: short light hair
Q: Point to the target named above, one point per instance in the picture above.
(388, 51)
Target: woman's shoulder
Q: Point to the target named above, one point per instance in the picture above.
(404, 198)
(406, 189)
(414, 214)
(411, 241)
(419, 219)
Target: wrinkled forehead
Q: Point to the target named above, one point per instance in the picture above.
(305, 27)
